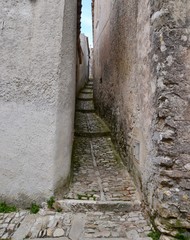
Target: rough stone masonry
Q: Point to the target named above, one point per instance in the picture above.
(142, 89)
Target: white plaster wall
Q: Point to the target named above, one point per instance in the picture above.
(84, 66)
(37, 89)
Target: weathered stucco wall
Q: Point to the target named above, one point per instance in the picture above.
(118, 83)
(141, 74)
(83, 68)
(37, 97)
(91, 63)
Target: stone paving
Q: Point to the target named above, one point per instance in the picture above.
(102, 202)
(10, 222)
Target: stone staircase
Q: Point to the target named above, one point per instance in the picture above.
(102, 202)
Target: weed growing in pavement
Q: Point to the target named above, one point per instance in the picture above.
(34, 208)
(50, 202)
(155, 235)
(79, 196)
(182, 235)
(58, 210)
(4, 208)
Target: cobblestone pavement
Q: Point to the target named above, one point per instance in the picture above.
(10, 222)
(102, 202)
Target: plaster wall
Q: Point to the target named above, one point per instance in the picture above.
(119, 78)
(37, 97)
(83, 68)
(91, 63)
(141, 88)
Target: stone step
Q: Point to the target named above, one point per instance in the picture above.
(71, 205)
(85, 111)
(92, 134)
(90, 82)
(87, 90)
(86, 96)
(66, 238)
(107, 239)
(88, 87)
(90, 125)
(85, 105)
(137, 238)
(83, 225)
(84, 92)
(85, 99)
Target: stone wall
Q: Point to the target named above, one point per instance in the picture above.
(141, 84)
(170, 68)
(37, 97)
(83, 67)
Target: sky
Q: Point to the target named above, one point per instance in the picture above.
(86, 20)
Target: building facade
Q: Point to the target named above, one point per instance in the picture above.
(38, 55)
(83, 65)
(141, 78)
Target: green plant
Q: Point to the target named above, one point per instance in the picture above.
(34, 208)
(155, 235)
(182, 233)
(79, 196)
(59, 210)
(50, 202)
(4, 208)
(182, 236)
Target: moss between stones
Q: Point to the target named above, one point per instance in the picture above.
(116, 154)
(182, 234)
(92, 135)
(155, 235)
(74, 160)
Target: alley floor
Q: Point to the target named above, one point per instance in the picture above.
(102, 202)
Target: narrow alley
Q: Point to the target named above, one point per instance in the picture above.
(102, 202)
(95, 119)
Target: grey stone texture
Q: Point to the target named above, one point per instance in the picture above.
(141, 89)
(37, 97)
(79, 226)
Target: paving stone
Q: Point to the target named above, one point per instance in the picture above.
(77, 227)
(102, 234)
(5, 236)
(85, 105)
(105, 239)
(133, 234)
(145, 238)
(2, 232)
(50, 232)
(60, 238)
(59, 232)
(24, 229)
(164, 237)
